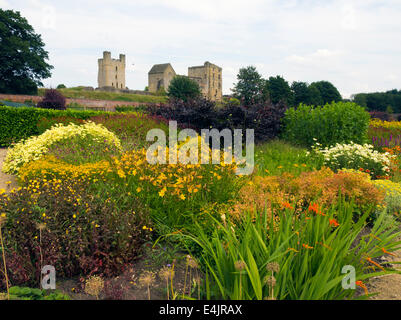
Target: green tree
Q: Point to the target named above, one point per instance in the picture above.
(328, 92)
(184, 88)
(22, 55)
(302, 93)
(251, 87)
(61, 86)
(279, 90)
(315, 96)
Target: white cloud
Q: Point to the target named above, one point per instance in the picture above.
(4, 4)
(350, 43)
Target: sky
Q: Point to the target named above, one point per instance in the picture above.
(355, 44)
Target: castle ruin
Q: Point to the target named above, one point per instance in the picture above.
(209, 77)
(160, 77)
(111, 72)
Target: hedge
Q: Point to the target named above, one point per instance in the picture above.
(21, 123)
(338, 122)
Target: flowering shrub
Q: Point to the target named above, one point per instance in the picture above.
(392, 200)
(355, 156)
(67, 224)
(323, 186)
(377, 123)
(35, 147)
(384, 134)
(173, 193)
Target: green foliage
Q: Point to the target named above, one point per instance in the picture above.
(251, 87)
(279, 90)
(302, 93)
(24, 293)
(183, 88)
(161, 91)
(308, 254)
(21, 123)
(328, 92)
(22, 55)
(61, 86)
(341, 122)
(379, 101)
(276, 157)
(389, 109)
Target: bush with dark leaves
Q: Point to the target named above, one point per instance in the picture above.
(53, 99)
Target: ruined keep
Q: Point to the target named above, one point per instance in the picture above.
(160, 77)
(111, 72)
(210, 79)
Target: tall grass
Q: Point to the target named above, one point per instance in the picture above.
(310, 252)
(276, 157)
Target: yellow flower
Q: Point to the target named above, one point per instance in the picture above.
(182, 197)
(162, 192)
(138, 189)
(74, 216)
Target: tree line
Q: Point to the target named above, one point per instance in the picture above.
(252, 88)
(389, 101)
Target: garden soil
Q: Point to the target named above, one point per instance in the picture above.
(4, 178)
(389, 286)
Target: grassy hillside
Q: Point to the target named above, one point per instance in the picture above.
(79, 93)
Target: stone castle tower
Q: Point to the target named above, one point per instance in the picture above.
(210, 79)
(111, 71)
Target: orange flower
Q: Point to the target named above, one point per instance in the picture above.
(363, 286)
(306, 246)
(375, 263)
(387, 252)
(287, 205)
(314, 207)
(292, 249)
(334, 223)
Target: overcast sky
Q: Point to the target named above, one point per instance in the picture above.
(355, 44)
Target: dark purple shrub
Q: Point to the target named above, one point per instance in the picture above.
(53, 99)
(264, 118)
(379, 115)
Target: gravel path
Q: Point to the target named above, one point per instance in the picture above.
(4, 178)
(388, 287)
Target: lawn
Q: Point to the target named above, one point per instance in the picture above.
(79, 93)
